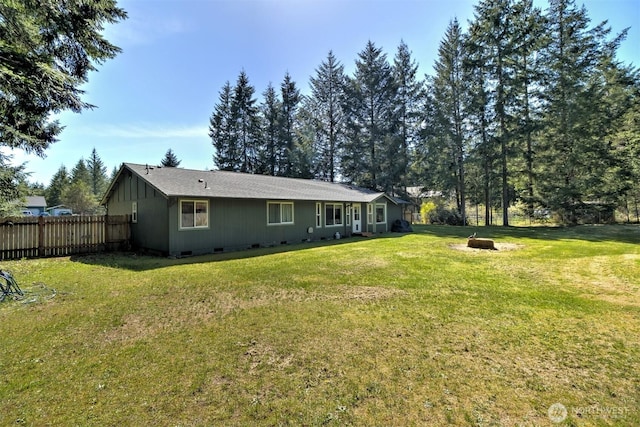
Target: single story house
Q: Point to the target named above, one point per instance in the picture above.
(35, 205)
(176, 211)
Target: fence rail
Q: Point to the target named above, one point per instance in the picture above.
(35, 237)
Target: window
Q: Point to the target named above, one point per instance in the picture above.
(370, 213)
(194, 214)
(333, 214)
(134, 212)
(279, 213)
(348, 215)
(381, 213)
(318, 215)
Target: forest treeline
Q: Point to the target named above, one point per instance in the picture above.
(526, 106)
(80, 188)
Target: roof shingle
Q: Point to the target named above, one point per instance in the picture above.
(173, 182)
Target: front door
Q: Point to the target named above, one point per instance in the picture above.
(356, 223)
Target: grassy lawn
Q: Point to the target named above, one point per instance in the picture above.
(392, 330)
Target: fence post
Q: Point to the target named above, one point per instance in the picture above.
(40, 236)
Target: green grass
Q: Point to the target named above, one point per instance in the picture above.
(393, 330)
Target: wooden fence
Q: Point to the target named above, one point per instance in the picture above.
(35, 237)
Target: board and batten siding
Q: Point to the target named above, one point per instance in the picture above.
(150, 230)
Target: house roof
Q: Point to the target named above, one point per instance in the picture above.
(35, 201)
(179, 182)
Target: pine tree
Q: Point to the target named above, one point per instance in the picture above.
(409, 91)
(450, 97)
(528, 81)
(80, 173)
(327, 92)
(493, 39)
(304, 159)
(625, 139)
(272, 152)
(11, 188)
(170, 160)
(371, 121)
(98, 174)
(290, 100)
(484, 151)
(79, 198)
(222, 131)
(576, 155)
(59, 182)
(47, 51)
(245, 125)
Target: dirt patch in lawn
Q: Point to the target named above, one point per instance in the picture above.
(499, 247)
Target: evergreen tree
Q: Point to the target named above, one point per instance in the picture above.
(576, 158)
(222, 131)
(409, 92)
(371, 123)
(170, 160)
(528, 81)
(81, 173)
(626, 142)
(433, 152)
(304, 158)
(327, 92)
(492, 34)
(290, 101)
(450, 98)
(47, 54)
(35, 189)
(12, 179)
(114, 173)
(483, 153)
(245, 125)
(59, 182)
(79, 198)
(273, 150)
(98, 174)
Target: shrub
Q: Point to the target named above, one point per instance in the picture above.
(436, 213)
(445, 216)
(425, 210)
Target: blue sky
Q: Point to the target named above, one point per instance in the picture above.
(177, 54)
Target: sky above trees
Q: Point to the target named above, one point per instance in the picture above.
(159, 93)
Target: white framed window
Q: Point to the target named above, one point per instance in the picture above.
(381, 213)
(348, 215)
(279, 213)
(194, 214)
(333, 214)
(369, 213)
(318, 215)
(134, 212)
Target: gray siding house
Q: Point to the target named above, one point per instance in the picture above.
(35, 204)
(177, 211)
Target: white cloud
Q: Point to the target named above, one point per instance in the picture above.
(137, 32)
